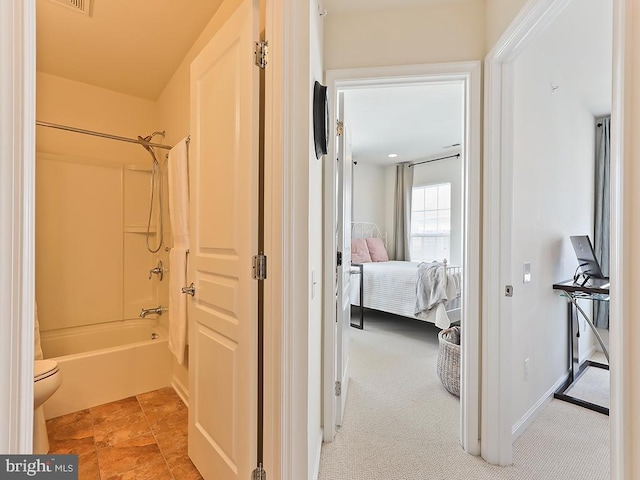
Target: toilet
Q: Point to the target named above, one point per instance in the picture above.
(46, 380)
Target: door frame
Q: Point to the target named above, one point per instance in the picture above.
(342, 332)
(469, 74)
(497, 185)
(17, 221)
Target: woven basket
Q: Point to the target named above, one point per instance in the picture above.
(449, 359)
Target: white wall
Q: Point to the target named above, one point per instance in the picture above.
(368, 199)
(498, 16)
(442, 33)
(315, 250)
(554, 147)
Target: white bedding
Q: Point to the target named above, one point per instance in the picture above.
(391, 287)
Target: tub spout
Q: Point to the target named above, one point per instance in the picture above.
(151, 311)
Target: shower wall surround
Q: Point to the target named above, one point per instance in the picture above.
(91, 261)
(92, 199)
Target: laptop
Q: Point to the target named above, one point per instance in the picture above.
(587, 261)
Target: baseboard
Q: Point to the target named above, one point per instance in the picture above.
(590, 352)
(316, 466)
(528, 418)
(181, 389)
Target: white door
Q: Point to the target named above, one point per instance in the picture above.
(343, 301)
(224, 237)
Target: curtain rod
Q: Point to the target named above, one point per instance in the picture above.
(103, 135)
(434, 160)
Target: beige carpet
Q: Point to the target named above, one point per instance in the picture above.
(592, 386)
(401, 424)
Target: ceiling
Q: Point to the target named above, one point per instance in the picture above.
(352, 6)
(135, 46)
(415, 122)
(131, 46)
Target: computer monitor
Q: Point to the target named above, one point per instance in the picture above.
(586, 257)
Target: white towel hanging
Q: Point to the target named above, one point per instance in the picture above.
(179, 216)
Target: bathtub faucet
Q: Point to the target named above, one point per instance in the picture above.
(149, 311)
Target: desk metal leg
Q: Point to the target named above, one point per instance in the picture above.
(576, 370)
(593, 327)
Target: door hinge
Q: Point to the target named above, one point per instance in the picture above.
(261, 54)
(338, 388)
(339, 128)
(339, 259)
(259, 474)
(260, 267)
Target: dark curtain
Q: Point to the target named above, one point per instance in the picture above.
(402, 212)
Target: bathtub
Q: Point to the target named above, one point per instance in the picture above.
(106, 362)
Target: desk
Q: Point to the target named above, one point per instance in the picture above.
(596, 291)
(356, 269)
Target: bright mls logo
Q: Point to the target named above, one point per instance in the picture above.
(52, 467)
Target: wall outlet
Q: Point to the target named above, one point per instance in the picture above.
(526, 369)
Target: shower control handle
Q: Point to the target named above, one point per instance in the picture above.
(190, 290)
(157, 270)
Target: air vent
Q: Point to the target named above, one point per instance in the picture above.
(80, 6)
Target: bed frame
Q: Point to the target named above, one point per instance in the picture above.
(369, 229)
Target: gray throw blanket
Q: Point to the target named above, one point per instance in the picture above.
(431, 286)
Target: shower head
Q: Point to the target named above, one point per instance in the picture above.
(148, 139)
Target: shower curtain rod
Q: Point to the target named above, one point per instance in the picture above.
(434, 160)
(103, 135)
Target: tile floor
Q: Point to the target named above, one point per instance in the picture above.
(138, 438)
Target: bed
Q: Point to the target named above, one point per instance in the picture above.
(428, 291)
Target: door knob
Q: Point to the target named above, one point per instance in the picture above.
(190, 290)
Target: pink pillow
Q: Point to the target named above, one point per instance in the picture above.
(376, 250)
(359, 251)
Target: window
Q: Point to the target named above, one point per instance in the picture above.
(431, 222)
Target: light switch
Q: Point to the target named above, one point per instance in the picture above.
(526, 278)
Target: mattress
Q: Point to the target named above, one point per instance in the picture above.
(391, 287)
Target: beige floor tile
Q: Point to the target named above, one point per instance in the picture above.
(173, 443)
(155, 470)
(137, 438)
(128, 455)
(163, 408)
(88, 467)
(117, 409)
(185, 470)
(72, 433)
(118, 421)
(162, 398)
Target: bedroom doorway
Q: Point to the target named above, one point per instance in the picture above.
(571, 67)
(369, 81)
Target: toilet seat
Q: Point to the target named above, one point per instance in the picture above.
(44, 369)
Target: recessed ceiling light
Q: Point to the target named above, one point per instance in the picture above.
(392, 155)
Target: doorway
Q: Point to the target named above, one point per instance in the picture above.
(506, 219)
(468, 76)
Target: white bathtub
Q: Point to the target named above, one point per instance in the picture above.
(106, 362)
